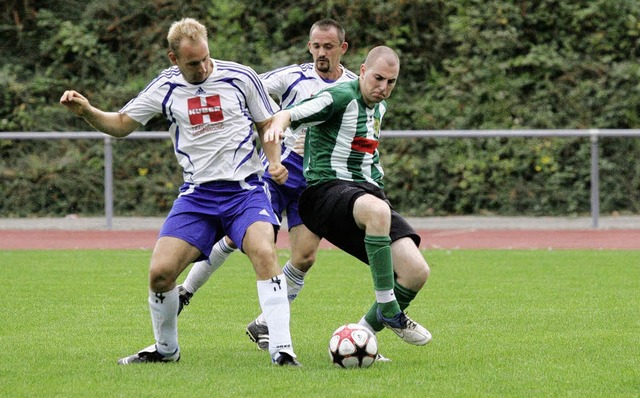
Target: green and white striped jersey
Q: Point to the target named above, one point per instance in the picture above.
(342, 136)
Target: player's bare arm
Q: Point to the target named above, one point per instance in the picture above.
(279, 123)
(113, 123)
(272, 151)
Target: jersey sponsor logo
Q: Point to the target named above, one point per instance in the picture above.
(199, 107)
(362, 144)
(201, 129)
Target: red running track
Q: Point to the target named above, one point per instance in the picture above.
(618, 239)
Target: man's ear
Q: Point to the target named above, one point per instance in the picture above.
(344, 46)
(173, 58)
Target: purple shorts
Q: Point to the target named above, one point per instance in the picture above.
(284, 198)
(203, 214)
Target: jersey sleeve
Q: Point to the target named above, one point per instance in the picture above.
(277, 81)
(141, 108)
(312, 111)
(260, 105)
(149, 102)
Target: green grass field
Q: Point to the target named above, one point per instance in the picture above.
(505, 324)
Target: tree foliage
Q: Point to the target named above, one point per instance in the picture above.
(468, 64)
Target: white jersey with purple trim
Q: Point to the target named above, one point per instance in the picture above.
(294, 83)
(211, 123)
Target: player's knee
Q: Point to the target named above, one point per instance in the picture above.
(378, 225)
(422, 273)
(161, 279)
(380, 211)
(303, 262)
(263, 254)
(373, 214)
(418, 273)
(265, 262)
(266, 270)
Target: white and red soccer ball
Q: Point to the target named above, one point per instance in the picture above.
(353, 346)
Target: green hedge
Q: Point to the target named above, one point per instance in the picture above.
(441, 176)
(468, 64)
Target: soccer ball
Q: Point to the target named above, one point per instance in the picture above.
(353, 346)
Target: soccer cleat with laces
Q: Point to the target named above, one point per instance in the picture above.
(259, 334)
(149, 355)
(285, 359)
(406, 328)
(183, 296)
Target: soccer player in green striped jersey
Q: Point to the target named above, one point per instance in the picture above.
(345, 202)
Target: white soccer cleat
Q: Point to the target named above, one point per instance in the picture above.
(382, 358)
(406, 328)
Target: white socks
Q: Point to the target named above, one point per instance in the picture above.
(272, 294)
(202, 270)
(295, 283)
(363, 322)
(164, 317)
(295, 280)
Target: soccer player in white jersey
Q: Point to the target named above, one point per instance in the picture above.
(345, 202)
(289, 84)
(211, 106)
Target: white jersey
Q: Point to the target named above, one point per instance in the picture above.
(211, 123)
(294, 83)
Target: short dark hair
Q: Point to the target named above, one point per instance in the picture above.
(326, 24)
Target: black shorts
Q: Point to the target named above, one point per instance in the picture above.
(327, 210)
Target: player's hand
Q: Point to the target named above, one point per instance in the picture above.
(278, 173)
(298, 146)
(75, 102)
(273, 134)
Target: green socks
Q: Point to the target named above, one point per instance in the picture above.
(404, 297)
(379, 253)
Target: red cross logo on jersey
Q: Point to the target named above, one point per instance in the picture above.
(199, 107)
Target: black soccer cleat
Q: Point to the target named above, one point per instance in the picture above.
(183, 297)
(284, 359)
(259, 334)
(150, 355)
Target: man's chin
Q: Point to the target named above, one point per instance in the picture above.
(323, 66)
